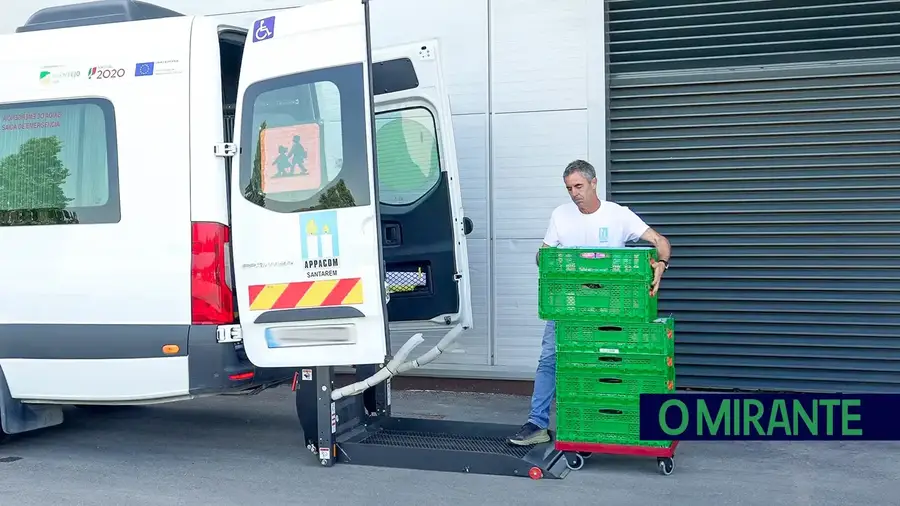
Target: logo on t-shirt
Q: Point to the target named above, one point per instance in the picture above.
(603, 235)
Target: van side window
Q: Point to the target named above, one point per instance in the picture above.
(408, 159)
(306, 135)
(58, 163)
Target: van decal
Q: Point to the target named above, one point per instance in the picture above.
(55, 73)
(290, 157)
(144, 69)
(321, 293)
(105, 72)
(266, 265)
(31, 120)
(157, 68)
(264, 29)
(320, 244)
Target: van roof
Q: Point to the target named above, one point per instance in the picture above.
(94, 13)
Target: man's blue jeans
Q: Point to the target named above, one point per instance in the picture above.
(544, 379)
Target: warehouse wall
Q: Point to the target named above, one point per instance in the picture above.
(528, 94)
(544, 65)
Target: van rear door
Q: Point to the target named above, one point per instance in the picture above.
(423, 225)
(305, 226)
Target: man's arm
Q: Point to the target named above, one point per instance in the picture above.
(637, 229)
(551, 238)
(664, 250)
(660, 242)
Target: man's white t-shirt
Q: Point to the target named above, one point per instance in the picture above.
(611, 226)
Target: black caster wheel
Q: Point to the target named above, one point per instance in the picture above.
(666, 465)
(585, 455)
(574, 461)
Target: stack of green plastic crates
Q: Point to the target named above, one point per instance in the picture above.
(611, 346)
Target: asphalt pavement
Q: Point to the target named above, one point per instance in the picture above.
(248, 451)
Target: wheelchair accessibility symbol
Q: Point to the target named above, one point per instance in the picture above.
(264, 29)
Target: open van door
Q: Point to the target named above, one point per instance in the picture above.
(305, 228)
(423, 225)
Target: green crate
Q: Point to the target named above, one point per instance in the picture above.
(597, 263)
(609, 360)
(657, 337)
(609, 420)
(611, 300)
(580, 384)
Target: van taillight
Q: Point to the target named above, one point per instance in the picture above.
(212, 301)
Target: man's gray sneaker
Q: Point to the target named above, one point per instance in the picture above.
(530, 434)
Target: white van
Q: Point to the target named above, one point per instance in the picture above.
(191, 209)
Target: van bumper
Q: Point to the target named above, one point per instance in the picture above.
(216, 367)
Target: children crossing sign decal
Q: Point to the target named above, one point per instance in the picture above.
(320, 243)
(291, 158)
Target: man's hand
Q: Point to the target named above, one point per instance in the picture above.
(537, 256)
(665, 251)
(658, 269)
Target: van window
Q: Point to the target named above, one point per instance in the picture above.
(58, 163)
(408, 160)
(307, 138)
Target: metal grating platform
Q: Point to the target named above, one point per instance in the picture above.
(453, 442)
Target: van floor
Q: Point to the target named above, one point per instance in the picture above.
(247, 450)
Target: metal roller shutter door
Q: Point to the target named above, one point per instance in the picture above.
(776, 175)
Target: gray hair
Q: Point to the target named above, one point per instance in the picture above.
(581, 166)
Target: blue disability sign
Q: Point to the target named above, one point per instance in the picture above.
(264, 29)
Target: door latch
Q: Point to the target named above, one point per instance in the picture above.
(225, 149)
(229, 334)
(392, 234)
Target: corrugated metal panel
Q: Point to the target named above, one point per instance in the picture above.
(779, 188)
(654, 35)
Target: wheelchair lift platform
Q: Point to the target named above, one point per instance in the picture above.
(360, 430)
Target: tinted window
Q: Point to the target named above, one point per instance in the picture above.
(58, 163)
(392, 76)
(306, 135)
(408, 160)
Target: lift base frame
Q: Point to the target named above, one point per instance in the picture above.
(360, 430)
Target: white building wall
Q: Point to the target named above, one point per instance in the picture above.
(528, 93)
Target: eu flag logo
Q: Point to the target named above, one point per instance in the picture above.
(143, 69)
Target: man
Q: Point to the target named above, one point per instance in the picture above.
(587, 222)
